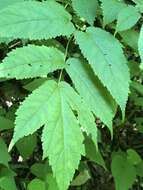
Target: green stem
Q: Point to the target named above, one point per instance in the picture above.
(115, 33)
(66, 53)
(60, 76)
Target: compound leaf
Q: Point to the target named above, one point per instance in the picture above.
(52, 105)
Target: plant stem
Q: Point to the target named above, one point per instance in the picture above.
(65, 57)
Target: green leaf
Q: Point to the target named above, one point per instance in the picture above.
(139, 121)
(31, 61)
(83, 79)
(139, 4)
(35, 20)
(5, 123)
(52, 185)
(109, 64)
(36, 184)
(6, 172)
(6, 3)
(34, 84)
(139, 169)
(93, 154)
(123, 172)
(35, 111)
(4, 156)
(85, 116)
(127, 18)
(81, 179)
(139, 102)
(87, 122)
(7, 183)
(40, 170)
(27, 145)
(111, 9)
(65, 156)
(130, 37)
(51, 105)
(62, 131)
(43, 171)
(133, 157)
(140, 46)
(86, 9)
(138, 87)
(134, 69)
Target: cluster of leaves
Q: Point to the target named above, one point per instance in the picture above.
(71, 94)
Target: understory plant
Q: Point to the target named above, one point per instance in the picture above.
(71, 87)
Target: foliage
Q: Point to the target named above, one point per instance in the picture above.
(71, 87)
